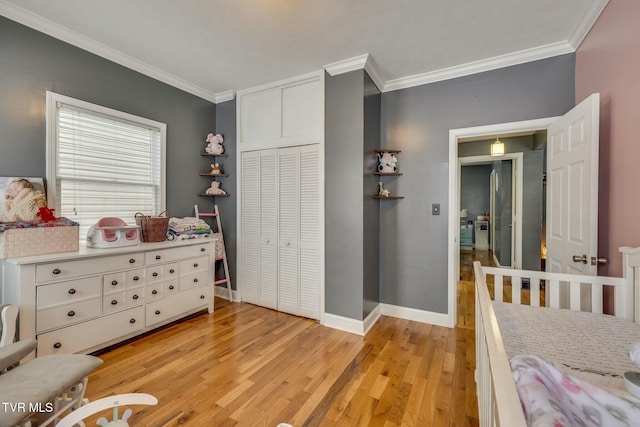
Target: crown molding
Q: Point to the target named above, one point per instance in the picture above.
(29, 19)
(346, 65)
(489, 64)
(584, 26)
(228, 95)
(360, 62)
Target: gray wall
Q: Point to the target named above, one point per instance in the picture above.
(227, 206)
(344, 198)
(32, 63)
(371, 207)
(414, 267)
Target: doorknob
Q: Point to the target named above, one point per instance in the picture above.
(598, 260)
(583, 259)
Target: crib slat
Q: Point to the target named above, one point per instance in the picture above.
(534, 291)
(498, 288)
(554, 293)
(574, 296)
(596, 299)
(516, 287)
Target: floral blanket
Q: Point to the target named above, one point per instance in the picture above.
(550, 397)
(60, 222)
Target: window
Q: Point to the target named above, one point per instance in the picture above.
(102, 162)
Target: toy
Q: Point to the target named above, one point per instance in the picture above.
(387, 163)
(215, 169)
(46, 214)
(214, 144)
(383, 192)
(215, 189)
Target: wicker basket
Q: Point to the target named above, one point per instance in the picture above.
(153, 228)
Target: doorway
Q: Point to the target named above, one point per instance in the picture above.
(501, 198)
(456, 136)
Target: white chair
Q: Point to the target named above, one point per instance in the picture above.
(8, 316)
(114, 402)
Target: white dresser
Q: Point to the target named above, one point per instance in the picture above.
(83, 301)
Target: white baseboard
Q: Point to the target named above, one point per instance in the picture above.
(342, 323)
(221, 292)
(423, 316)
(361, 327)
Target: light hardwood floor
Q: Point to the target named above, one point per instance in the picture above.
(245, 365)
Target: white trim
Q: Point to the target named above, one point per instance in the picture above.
(228, 95)
(413, 314)
(223, 293)
(374, 72)
(347, 65)
(453, 236)
(29, 19)
(585, 25)
(371, 319)
(497, 62)
(342, 323)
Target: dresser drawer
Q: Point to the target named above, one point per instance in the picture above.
(153, 291)
(67, 269)
(174, 254)
(170, 287)
(177, 305)
(134, 297)
(154, 273)
(92, 333)
(113, 282)
(194, 265)
(135, 277)
(114, 302)
(193, 280)
(170, 271)
(68, 314)
(69, 291)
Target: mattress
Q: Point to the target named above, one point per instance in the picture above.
(589, 346)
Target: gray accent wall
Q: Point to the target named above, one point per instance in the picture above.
(352, 220)
(227, 206)
(414, 265)
(371, 207)
(344, 198)
(32, 63)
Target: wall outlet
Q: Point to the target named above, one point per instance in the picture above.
(435, 209)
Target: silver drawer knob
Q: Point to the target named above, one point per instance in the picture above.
(56, 271)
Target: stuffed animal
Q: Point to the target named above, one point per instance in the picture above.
(215, 189)
(214, 144)
(215, 169)
(383, 192)
(387, 163)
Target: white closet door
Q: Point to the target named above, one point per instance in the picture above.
(269, 228)
(309, 231)
(251, 227)
(288, 292)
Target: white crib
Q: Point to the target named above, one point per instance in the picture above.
(498, 400)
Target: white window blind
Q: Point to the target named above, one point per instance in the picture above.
(106, 164)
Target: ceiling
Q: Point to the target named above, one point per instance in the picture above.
(212, 48)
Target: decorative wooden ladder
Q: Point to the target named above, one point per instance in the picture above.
(223, 256)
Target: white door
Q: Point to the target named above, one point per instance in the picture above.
(288, 193)
(572, 189)
(250, 223)
(268, 229)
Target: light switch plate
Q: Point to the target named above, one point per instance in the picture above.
(435, 209)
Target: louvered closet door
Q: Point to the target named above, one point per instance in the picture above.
(269, 228)
(309, 232)
(251, 227)
(288, 292)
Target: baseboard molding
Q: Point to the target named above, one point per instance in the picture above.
(362, 327)
(223, 293)
(423, 316)
(342, 323)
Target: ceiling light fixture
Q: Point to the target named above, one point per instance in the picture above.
(497, 148)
